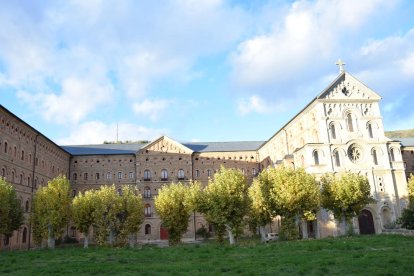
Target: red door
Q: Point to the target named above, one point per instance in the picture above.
(163, 233)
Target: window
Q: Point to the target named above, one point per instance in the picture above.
(349, 122)
(147, 229)
(333, 131)
(131, 175)
(164, 175)
(253, 171)
(26, 206)
(28, 181)
(21, 179)
(242, 170)
(5, 147)
(108, 175)
(181, 174)
(3, 172)
(374, 157)
(85, 176)
(24, 236)
(119, 175)
(337, 160)
(197, 173)
(147, 175)
(316, 157)
(208, 172)
(370, 133)
(147, 192)
(147, 210)
(22, 158)
(75, 176)
(97, 176)
(392, 155)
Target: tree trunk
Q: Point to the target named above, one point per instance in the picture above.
(305, 229)
(262, 231)
(343, 224)
(231, 235)
(50, 237)
(86, 241)
(131, 240)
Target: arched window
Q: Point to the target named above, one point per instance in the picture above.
(332, 131)
(26, 206)
(147, 229)
(3, 172)
(337, 159)
(28, 181)
(147, 192)
(392, 155)
(35, 183)
(374, 156)
(316, 157)
(370, 132)
(12, 177)
(147, 175)
(147, 210)
(21, 179)
(349, 122)
(5, 147)
(181, 174)
(164, 175)
(24, 236)
(75, 176)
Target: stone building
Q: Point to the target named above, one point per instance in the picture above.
(407, 150)
(340, 130)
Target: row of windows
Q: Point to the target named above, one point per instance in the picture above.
(108, 176)
(350, 126)
(21, 179)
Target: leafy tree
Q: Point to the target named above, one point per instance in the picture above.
(410, 188)
(174, 204)
(117, 216)
(131, 215)
(407, 216)
(51, 209)
(83, 208)
(262, 208)
(226, 201)
(346, 195)
(11, 212)
(296, 195)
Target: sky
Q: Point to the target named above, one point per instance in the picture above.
(196, 70)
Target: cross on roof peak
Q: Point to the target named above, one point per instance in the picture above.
(341, 65)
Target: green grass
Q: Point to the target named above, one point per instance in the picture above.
(361, 255)
(406, 133)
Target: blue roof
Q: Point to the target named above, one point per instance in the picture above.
(406, 142)
(110, 149)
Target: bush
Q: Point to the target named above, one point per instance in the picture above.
(288, 230)
(203, 232)
(407, 218)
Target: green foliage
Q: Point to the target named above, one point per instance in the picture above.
(295, 193)
(116, 215)
(345, 196)
(410, 189)
(226, 202)
(174, 204)
(288, 230)
(203, 232)
(83, 208)
(11, 212)
(407, 218)
(51, 209)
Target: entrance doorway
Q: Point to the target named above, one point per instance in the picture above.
(366, 223)
(163, 233)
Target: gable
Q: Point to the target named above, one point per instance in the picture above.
(348, 88)
(167, 145)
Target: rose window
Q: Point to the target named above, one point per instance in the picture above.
(355, 153)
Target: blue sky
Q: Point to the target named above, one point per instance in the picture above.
(196, 70)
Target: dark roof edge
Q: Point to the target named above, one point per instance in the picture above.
(32, 128)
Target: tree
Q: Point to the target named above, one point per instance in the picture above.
(410, 189)
(345, 196)
(407, 216)
(262, 208)
(83, 208)
(174, 204)
(226, 202)
(51, 209)
(296, 195)
(131, 215)
(117, 216)
(11, 212)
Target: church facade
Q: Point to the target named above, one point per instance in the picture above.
(340, 130)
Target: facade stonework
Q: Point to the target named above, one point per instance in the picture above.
(340, 130)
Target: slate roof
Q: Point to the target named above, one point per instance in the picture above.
(406, 142)
(108, 149)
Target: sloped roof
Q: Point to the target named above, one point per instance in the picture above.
(406, 142)
(112, 149)
(224, 146)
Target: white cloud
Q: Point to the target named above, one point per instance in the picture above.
(258, 105)
(306, 37)
(150, 108)
(78, 98)
(96, 132)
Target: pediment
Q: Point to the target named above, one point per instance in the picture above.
(167, 145)
(347, 87)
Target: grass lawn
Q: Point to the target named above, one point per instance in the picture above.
(358, 255)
